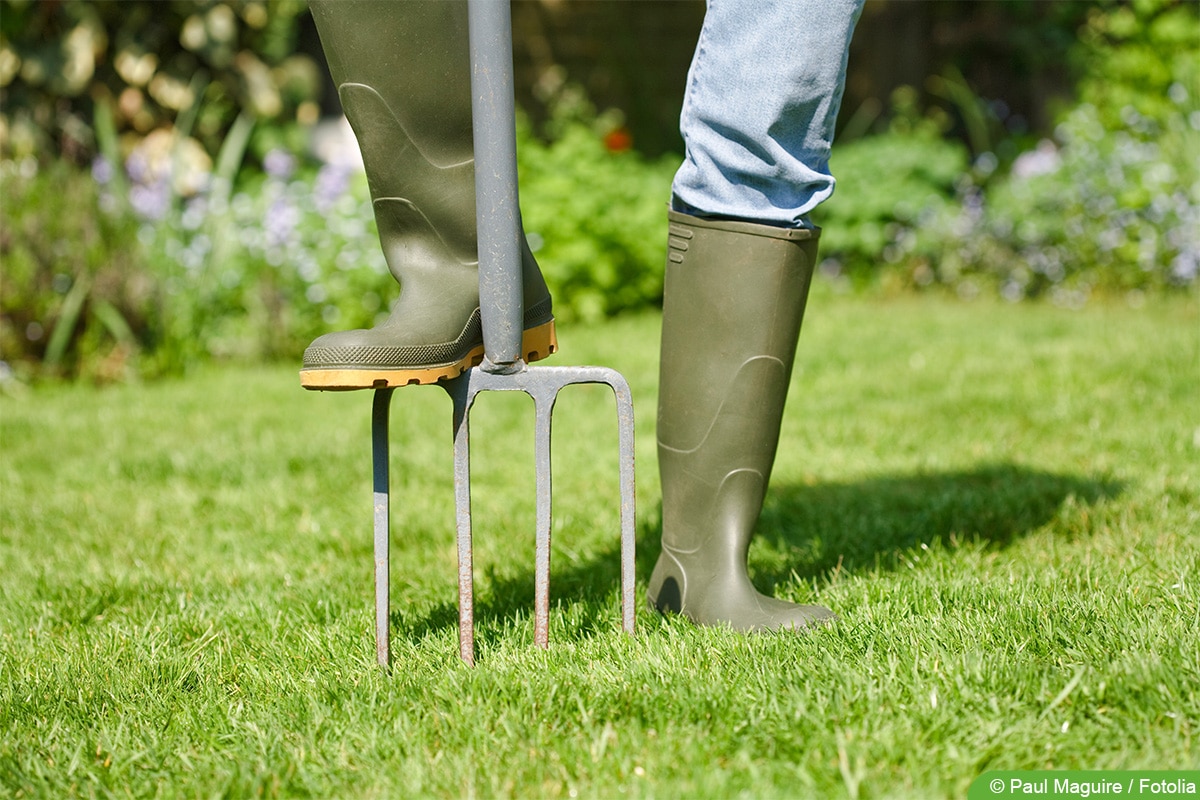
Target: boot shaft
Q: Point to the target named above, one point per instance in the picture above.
(733, 303)
(416, 55)
(402, 72)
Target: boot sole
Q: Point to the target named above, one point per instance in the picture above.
(536, 343)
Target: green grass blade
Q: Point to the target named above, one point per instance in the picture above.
(233, 150)
(68, 317)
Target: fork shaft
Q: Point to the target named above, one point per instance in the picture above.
(497, 213)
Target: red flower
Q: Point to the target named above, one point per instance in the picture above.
(618, 140)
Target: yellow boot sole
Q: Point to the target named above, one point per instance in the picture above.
(536, 343)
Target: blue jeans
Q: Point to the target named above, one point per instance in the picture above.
(762, 98)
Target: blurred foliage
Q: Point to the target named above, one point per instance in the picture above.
(194, 64)
(103, 286)
(1109, 203)
(889, 187)
(1140, 55)
(1097, 209)
(128, 270)
(594, 210)
(77, 299)
(161, 252)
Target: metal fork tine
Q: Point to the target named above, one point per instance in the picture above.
(624, 399)
(543, 385)
(463, 398)
(381, 480)
(544, 407)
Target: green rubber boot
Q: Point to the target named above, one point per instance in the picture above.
(734, 299)
(403, 76)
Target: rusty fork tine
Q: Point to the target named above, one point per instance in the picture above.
(462, 397)
(543, 408)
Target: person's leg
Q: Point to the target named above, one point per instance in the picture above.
(763, 95)
(759, 111)
(403, 76)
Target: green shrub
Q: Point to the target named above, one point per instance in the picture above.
(1112, 202)
(306, 251)
(261, 271)
(889, 187)
(1094, 209)
(157, 259)
(596, 219)
(1135, 57)
(108, 277)
(1103, 210)
(176, 265)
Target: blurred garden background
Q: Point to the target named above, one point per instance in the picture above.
(177, 188)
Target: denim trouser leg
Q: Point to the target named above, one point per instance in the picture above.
(758, 115)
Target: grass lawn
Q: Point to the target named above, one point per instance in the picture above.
(1001, 502)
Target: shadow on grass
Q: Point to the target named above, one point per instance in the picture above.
(860, 525)
(870, 523)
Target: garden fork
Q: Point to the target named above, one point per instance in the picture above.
(503, 369)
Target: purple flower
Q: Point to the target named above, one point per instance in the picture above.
(137, 167)
(1185, 267)
(102, 171)
(279, 164)
(332, 182)
(281, 222)
(1044, 160)
(150, 201)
